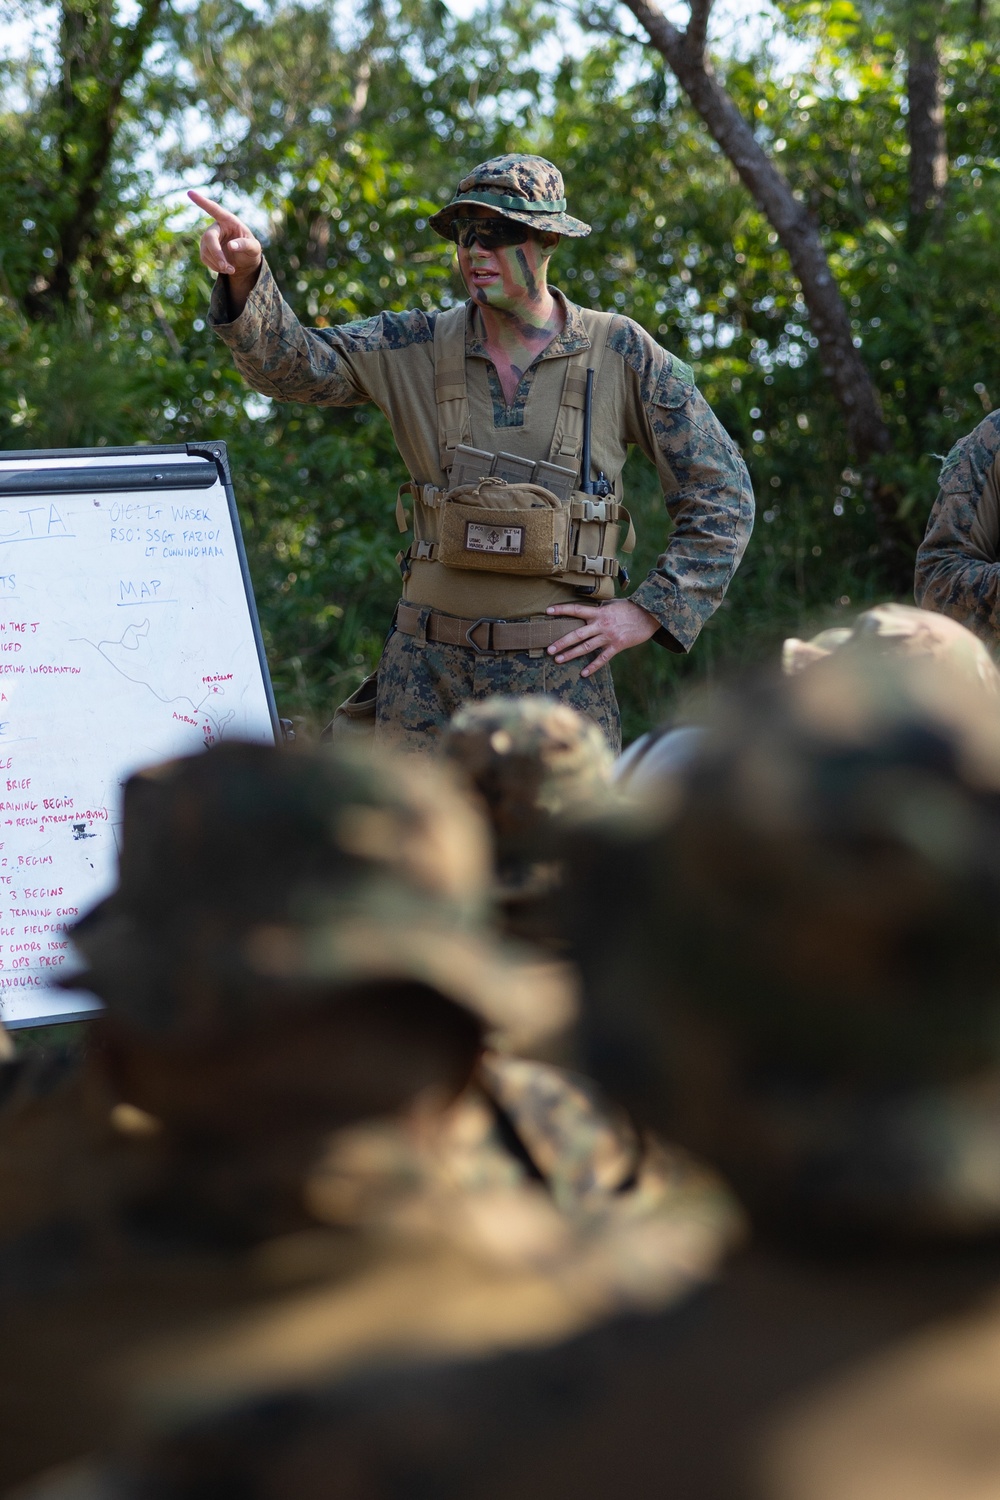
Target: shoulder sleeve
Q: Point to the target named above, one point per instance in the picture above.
(336, 366)
(580, 1143)
(706, 487)
(958, 572)
(631, 1201)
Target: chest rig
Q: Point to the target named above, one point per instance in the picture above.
(501, 513)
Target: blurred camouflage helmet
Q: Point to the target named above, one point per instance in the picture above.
(525, 188)
(903, 629)
(252, 877)
(532, 760)
(826, 872)
(799, 958)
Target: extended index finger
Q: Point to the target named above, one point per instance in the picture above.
(219, 214)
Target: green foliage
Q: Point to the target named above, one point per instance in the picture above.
(347, 129)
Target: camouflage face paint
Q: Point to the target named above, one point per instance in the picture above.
(509, 285)
(509, 280)
(529, 276)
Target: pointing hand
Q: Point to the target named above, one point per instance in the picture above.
(228, 246)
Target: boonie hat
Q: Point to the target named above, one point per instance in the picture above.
(824, 878)
(826, 870)
(528, 189)
(531, 760)
(538, 767)
(253, 878)
(905, 630)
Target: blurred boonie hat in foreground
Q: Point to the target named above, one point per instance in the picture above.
(532, 760)
(902, 629)
(796, 970)
(254, 879)
(832, 861)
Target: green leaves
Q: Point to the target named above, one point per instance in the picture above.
(346, 134)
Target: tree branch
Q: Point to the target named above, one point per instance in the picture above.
(98, 61)
(696, 34)
(925, 126)
(791, 221)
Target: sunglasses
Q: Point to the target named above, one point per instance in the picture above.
(490, 234)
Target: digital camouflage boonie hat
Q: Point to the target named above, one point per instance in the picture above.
(532, 760)
(254, 879)
(537, 766)
(528, 189)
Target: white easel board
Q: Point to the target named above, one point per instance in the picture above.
(128, 634)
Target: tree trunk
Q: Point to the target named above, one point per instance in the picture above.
(791, 220)
(98, 59)
(925, 124)
(853, 388)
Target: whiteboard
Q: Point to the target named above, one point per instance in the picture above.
(128, 634)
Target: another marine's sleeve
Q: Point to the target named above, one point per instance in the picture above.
(631, 1201)
(706, 487)
(958, 562)
(336, 366)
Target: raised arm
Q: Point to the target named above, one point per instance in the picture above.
(275, 354)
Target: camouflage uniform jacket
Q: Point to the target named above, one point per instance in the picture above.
(647, 398)
(160, 1293)
(958, 563)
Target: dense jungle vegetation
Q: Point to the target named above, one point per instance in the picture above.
(338, 129)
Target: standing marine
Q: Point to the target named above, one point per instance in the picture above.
(516, 519)
(958, 562)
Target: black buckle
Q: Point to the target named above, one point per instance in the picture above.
(483, 620)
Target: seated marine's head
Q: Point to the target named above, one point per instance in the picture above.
(899, 630)
(296, 940)
(795, 967)
(534, 765)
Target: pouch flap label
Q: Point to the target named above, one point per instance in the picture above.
(506, 540)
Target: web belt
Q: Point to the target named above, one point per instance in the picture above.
(483, 635)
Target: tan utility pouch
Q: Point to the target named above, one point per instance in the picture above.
(354, 720)
(496, 527)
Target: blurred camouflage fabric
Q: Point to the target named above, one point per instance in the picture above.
(958, 562)
(805, 946)
(520, 1218)
(165, 1278)
(900, 628)
(534, 764)
(252, 878)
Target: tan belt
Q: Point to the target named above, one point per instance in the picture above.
(483, 635)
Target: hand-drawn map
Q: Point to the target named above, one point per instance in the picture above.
(128, 634)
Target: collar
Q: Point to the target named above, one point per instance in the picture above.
(570, 340)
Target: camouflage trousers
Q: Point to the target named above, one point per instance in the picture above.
(421, 684)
